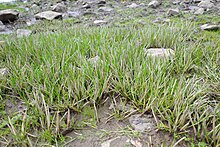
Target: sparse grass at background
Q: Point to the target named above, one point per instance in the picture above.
(51, 73)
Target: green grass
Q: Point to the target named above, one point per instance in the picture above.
(7, 6)
(52, 74)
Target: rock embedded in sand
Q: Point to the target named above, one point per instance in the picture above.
(8, 15)
(48, 15)
(142, 123)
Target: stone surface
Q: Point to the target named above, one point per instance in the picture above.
(209, 27)
(105, 9)
(133, 5)
(59, 8)
(3, 71)
(207, 4)
(8, 15)
(74, 13)
(160, 52)
(119, 141)
(2, 27)
(95, 60)
(154, 4)
(23, 33)
(49, 15)
(173, 12)
(142, 123)
(199, 11)
(98, 22)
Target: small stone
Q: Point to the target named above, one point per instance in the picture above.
(173, 12)
(160, 52)
(153, 4)
(99, 22)
(206, 4)
(73, 13)
(208, 27)
(8, 15)
(133, 5)
(142, 124)
(3, 71)
(176, 2)
(23, 33)
(59, 8)
(95, 60)
(105, 9)
(49, 15)
(86, 6)
(199, 11)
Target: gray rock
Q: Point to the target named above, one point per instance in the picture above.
(59, 8)
(133, 5)
(199, 11)
(142, 123)
(99, 22)
(95, 60)
(8, 15)
(173, 12)
(207, 4)
(154, 4)
(23, 32)
(3, 71)
(193, 8)
(73, 13)
(209, 27)
(86, 6)
(160, 52)
(49, 15)
(105, 9)
(2, 27)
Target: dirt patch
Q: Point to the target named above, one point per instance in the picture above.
(121, 133)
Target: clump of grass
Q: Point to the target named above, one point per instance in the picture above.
(7, 6)
(52, 73)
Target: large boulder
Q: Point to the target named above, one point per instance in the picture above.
(8, 15)
(49, 15)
